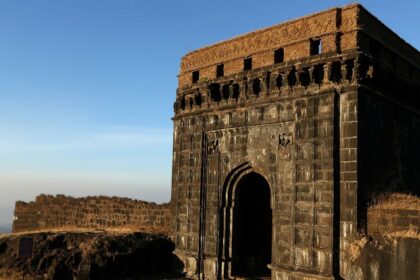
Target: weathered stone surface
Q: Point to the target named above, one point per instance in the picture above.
(326, 128)
(52, 212)
(383, 258)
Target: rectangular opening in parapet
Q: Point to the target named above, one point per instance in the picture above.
(220, 70)
(316, 46)
(279, 55)
(248, 63)
(195, 76)
(374, 48)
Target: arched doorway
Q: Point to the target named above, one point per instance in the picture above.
(252, 227)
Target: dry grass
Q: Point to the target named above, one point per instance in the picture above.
(356, 248)
(111, 231)
(4, 235)
(412, 232)
(396, 201)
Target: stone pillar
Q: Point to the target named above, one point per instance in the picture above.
(285, 79)
(344, 72)
(348, 117)
(311, 74)
(273, 83)
(297, 73)
(356, 70)
(327, 73)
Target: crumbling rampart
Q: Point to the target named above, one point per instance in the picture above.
(394, 213)
(101, 212)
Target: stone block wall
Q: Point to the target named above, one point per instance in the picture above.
(284, 129)
(328, 127)
(51, 212)
(393, 213)
(392, 220)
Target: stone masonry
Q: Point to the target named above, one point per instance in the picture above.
(282, 136)
(54, 212)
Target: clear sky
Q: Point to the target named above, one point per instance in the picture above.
(87, 86)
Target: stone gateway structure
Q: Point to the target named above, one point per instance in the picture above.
(283, 136)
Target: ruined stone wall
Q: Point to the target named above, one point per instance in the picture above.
(393, 213)
(52, 212)
(392, 220)
(391, 245)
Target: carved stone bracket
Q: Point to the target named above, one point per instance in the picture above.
(284, 140)
(275, 82)
(327, 73)
(284, 145)
(212, 145)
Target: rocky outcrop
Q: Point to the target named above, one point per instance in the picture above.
(87, 255)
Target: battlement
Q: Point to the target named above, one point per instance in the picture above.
(337, 30)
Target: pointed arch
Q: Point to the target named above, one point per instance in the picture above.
(229, 197)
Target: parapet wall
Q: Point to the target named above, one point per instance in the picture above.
(340, 30)
(293, 36)
(52, 212)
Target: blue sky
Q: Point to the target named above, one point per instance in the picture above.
(87, 86)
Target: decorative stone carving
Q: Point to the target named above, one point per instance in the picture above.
(212, 146)
(284, 145)
(284, 140)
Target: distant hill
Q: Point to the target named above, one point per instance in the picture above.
(5, 228)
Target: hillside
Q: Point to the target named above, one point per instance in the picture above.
(87, 255)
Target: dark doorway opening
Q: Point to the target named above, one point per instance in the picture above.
(252, 227)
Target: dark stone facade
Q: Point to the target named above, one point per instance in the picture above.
(301, 123)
